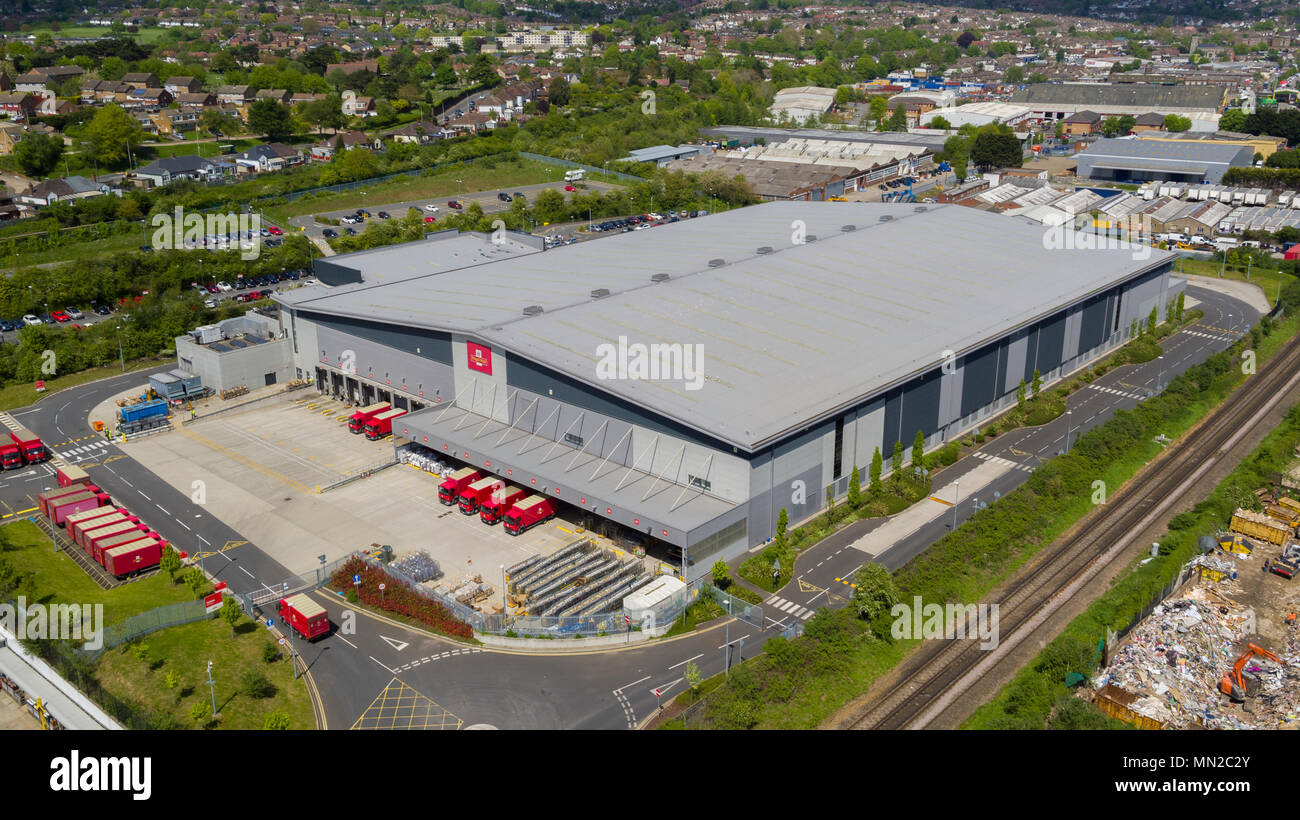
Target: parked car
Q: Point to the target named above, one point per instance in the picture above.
(102, 310)
(429, 220)
(329, 233)
(209, 302)
(570, 188)
(31, 320)
(350, 231)
(275, 231)
(504, 197)
(213, 289)
(451, 203)
(74, 313)
(256, 294)
(46, 319)
(224, 287)
(383, 214)
(433, 209)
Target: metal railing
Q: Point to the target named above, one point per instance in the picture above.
(568, 163)
(185, 612)
(364, 472)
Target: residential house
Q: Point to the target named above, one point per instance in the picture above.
(1081, 124)
(359, 106)
(8, 210)
(418, 133)
(234, 94)
(273, 156)
(61, 189)
(170, 121)
(303, 97)
(141, 79)
(471, 122)
(351, 68)
(148, 98)
(183, 85)
(280, 95)
(356, 139)
(196, 99)
(6, 82)
(1149, 122)
(10, 133)
(19, 105)
(166, 170)
(39, 80)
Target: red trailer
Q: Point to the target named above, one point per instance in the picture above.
(71, 474)
(11, 458)
(61, 508)
(494, 508)
(357, 421)
(449, 489)
(81, 533)
(33, 449)
(528, 513)
(101, 546)
(43, 499)
(137, 556)
(99, 534)
(381, 424)
(82, 518)
(305, 616)
(476, 493)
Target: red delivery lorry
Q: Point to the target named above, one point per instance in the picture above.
(528, 513)
(494, 507)
(64, 506)
(357, 421)
(449, 489)
(71, 474)
(381, 424)
(33, 449)
(85, 518)
(44, 499)
(137, 556)
(475, 493)
(81, 533)
(11, 458)
(90, 537)
(102, 546)
(305, 616)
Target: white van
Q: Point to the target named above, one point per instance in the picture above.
(574, 175)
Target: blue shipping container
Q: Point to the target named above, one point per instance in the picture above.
(144, 410)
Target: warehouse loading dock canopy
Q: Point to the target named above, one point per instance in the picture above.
(579, 474)
(1138, 165)
(790, 331)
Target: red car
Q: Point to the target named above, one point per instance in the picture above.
(569, 188)
(275, 231)
(256, 294)
(60, 316)
(451, 203)
(430, 220)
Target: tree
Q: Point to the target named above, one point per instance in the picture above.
(277, 721)
(692, 675)
(993, 150)
(1177, 124)
(878, 107)
(782, 524)
(559, 92)
(1178, 308)
(1234, 119)
(897, 461)
(1015, 75)
(939, 122)
(444, 74)
(1020, 395)
(897, 119)
(875, 593)
(855, 489)
(1037, 384)
(271, 118)
(231, 613)
(918, 450)
(196, 580)
(830, 504)
(877, 467)
(172, 680)
(721, 574)
(110, 133)
(38, 154)
(257, 685)
(170, 563)
(200, 711)
(1151, 321)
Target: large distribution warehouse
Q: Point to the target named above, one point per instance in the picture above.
(690, 381)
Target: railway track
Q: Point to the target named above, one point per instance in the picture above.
(930, 675)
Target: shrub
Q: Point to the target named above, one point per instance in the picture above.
(270, 652)
(256, 685)
(276, 721)
(398, 598)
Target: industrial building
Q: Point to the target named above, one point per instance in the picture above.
(798, 105)
(246, 351)
(1201, 104)
(1134, 160)
(770, 180)
(682, 386)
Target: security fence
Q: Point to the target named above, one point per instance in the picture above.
(266, 597)
(185, 612)
(567, 163)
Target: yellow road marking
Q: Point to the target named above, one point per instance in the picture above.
(20, 512)
(932, 498)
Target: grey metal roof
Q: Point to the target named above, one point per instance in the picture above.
(1161, 98)
(1179, 151)
(771, 134)
(789, 335)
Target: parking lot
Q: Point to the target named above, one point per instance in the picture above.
(261, 467)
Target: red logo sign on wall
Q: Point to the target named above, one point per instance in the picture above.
(480, 357)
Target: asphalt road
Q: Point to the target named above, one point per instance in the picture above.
(453, 685)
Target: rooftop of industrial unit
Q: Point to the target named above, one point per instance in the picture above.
(790, 332)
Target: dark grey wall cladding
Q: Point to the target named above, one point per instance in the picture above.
(893, 414)
(1031, 356)
(1051, 343)
(920, 407)
(528, 375)
(429, 344)
(980, 382)
(1092, 330)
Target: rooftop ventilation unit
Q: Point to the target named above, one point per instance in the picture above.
(885, 217)
(532, 310)
(812, 237)
(717, 263)
(765, 249)
(920, 209)
(599, 293)
(660, 277)
(849, 228)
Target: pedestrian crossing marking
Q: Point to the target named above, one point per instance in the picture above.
(1115, 392)
(1006, 462)
(790, 607)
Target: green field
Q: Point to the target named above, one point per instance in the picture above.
(144, 35)
(442, 183)
(57, 579)
(185, 651)
(76, 250)
(205, 149)
(20, 395)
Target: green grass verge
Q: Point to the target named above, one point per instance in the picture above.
(185, 651)
(800, 683)
(1036, 698)
(704, 609)
(21, 395)
(1269, 280)
(53, 577)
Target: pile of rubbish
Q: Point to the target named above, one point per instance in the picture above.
(468, 591)
(1171, 664)
(418, 566)
(425, 459)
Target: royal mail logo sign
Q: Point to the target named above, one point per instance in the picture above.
(480, 357)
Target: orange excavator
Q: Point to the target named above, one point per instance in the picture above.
(1234, 684)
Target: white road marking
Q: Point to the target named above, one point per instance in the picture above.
(620, 689)
(688, 660)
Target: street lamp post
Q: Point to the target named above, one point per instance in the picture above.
(956, 497)
(1068, 414)
(120, 354)
(726, 656)
(212, 689)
